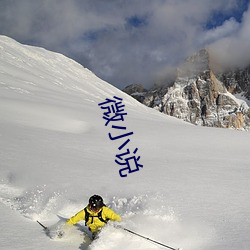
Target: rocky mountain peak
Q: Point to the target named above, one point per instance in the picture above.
(200, 96)
(196, 64)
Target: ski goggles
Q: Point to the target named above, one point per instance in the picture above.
(94, 208)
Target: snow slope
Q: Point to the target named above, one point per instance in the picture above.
(192, 192)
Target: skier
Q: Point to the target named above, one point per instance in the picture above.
(95, 214)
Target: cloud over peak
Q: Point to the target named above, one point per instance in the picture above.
(132, 41)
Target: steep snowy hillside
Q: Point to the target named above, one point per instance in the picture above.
(192, 190)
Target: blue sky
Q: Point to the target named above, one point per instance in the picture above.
(131, 41)
(218, 17)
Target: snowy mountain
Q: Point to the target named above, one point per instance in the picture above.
(201, 95)
(191, 190)
(237, 81)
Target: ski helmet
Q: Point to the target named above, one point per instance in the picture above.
(96, 202)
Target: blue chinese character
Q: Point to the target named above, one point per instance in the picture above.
(114, 110)
(120, 136)
(127, 162)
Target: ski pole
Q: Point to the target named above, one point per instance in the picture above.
(45, 228)
(159, 243)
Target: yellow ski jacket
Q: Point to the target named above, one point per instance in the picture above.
(94, 223)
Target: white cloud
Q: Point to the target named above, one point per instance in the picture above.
(228, 28)
(97, 32)
(233, 50)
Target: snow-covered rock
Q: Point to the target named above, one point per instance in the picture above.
(199, 97)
